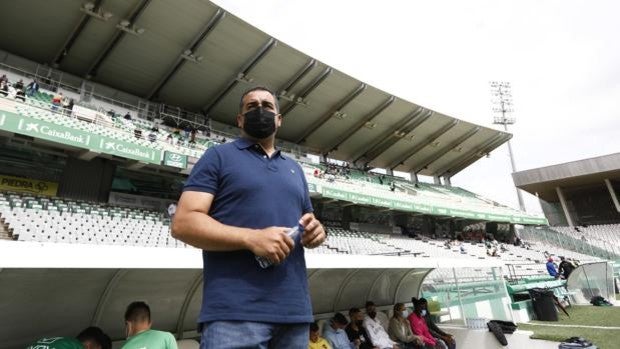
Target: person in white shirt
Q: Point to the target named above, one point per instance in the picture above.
(381, 317)
(375, 329)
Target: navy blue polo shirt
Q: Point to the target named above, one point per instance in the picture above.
(253, 190)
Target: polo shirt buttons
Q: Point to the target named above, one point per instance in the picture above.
(264, 156)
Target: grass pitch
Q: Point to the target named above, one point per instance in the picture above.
(581, 317)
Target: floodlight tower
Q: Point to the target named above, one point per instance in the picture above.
(501, 98)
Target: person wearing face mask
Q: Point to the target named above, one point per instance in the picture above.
(375, 329)
(238, 204)
(379, 315)
(356, 332)
(139, 333)
(400, 329)
(335, 334)
(444, 339)
(418, 325)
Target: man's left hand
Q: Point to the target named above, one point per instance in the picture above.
(314, 234)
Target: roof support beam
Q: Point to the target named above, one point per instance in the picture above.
(245, 70)
(192, 46)
(428, 140)
(75, 33)
(119, 274)
(378, 110)
(474, 153)
(116, 38)
(388, 138)
(338, 107)
(311, 87)
(437, 155)
(189, 295)
(295, 79)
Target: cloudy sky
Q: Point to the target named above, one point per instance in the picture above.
(561, 57)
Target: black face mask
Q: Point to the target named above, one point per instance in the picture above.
(259, 123)
(372, 314)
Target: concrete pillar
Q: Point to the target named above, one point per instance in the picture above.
(437, 180)
(414, 177)
(560, 193)
(389, 172)
(612, 192)
(446, 181)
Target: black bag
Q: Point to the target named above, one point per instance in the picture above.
(577, 343)
(506, 326)
(497, 332)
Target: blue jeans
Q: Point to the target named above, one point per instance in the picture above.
(250, 335)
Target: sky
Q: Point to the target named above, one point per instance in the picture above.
(561, 58)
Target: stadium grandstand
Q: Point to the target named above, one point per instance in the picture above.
(105, 107)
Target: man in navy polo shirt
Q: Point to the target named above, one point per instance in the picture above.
(238, 203)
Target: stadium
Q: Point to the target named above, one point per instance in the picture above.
(130, 94)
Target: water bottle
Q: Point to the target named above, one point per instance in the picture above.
(292, 233)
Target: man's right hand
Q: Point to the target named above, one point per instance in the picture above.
(271, 243)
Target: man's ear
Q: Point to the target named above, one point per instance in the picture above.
(240, 120)
(278, 120)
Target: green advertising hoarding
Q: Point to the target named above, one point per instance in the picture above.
(423, 208)
(175, 160)
(77, 138)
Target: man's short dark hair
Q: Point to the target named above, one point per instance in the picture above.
(423, 301)
(138, 312)
(413, 300)
(354, 311)
(259, 88)
(369, 304)
(97, 335)
(314, 327)
(340, 319)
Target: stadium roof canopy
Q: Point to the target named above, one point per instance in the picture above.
(543, 181)
(197, 56)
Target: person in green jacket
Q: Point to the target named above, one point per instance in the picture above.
(139, 333)
(56, 343)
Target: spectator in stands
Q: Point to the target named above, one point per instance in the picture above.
(244, 216)
(566, 268)
(139, 333)
(19, 85)
(381, 317)
(444, 339)
(392, 186)
(57, 101)
(32, 88)
(335, 334)
(356, 332)
(4, 79)
(20, 95)
(376, 330)
(169, 138)
(192, 136)
(67, 105)
(551, 268)
(316, 341)
(400, 329)
(4, 88)
(419, 327)
(127, 116)
(137, 132)
(94, 338)
(152, 137)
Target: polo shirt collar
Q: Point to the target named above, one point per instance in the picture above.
(244, 143)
